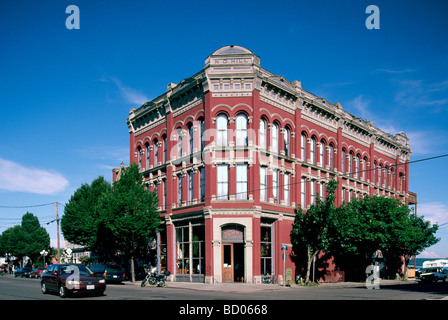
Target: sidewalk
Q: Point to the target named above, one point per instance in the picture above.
(248, 287)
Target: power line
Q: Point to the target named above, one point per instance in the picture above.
(29, 206)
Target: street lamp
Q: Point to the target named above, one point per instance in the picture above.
(43, 253)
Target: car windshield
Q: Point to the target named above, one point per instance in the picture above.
(73, 269)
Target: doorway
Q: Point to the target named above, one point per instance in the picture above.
(233, 253)
(233, 262)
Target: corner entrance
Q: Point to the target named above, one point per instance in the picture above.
(233, 254)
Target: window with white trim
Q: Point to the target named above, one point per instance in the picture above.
(223, 182)
(241, 182)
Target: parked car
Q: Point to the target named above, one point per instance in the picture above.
(71, 278)
(23, 272)
(111, 272)
(36, 273)
(3, 270)
(433, 274)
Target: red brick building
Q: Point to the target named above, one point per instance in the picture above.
(231, 152)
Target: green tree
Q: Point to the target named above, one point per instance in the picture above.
(129, 214)
(362, 226)
(28, 239)
(311, 228)
(80, 219)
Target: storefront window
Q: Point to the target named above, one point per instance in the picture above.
(190, 248)
(198, 246)
(266, 249)
(182, 245)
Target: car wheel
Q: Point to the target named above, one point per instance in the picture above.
(43, 287)
(62, 291)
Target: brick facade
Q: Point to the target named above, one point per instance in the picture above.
(233, 150)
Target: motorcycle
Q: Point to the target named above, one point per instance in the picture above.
(154, 278)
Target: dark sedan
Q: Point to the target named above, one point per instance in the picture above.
(110, 272)
(23, 272)
(71, 278)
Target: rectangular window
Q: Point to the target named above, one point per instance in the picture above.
(312, 151)
(263, 184)
(198, 249)
(139, 155)
(156, 154)
(183, 250)
(165, 147)
(223, 182)
(275, 186)
(202, 135)
(286, 187)
(286, 142)
(322, 155)
(191, 144)
(190, 187)
(313, 191)
(148, 156)
(322, 191)
(303, 148)
(266, 249)
(179, 143)
(241, 181)
(164, 194)
(179, 190)
(350, 165)
(330, 157)
(202, 183)
(303, 192)
(274, 138)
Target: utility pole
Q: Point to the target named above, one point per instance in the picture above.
(57, 228)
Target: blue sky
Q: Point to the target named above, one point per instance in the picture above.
(65, 94)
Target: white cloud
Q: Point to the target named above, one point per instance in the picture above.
(415, 93)
(420, 144)
(129, 95)
(396, 71)
(360, 106)
(435, 212)
(15, 177)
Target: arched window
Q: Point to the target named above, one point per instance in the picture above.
(313, 150)
(322, 153)
(262, 134)
(380, 169)
(364, 169)
(165, 148)
(374, 173)
(350, 164)
(190, 138)
(202, 134)
(241, 130)
(343, 161)
(330, 157)
(179, 143)
(156, 153)
(221, 128)
(303, 146)
(287, 142)
(139, 157)
(274, 138)
(357, 166)
(148, 155)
